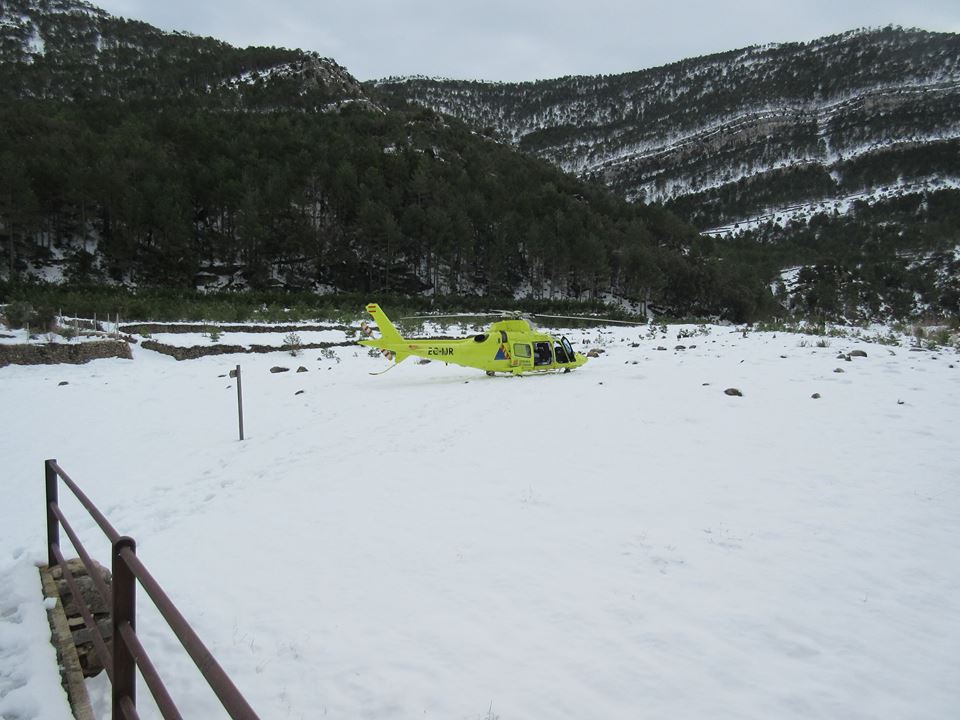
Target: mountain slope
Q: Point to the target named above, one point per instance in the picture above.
(71, 50)
(761, 142)
(151, 158)
(710, 121)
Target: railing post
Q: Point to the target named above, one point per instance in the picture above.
(53, 525)
(124, 612)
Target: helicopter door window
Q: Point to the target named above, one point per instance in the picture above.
(569, 350)
(542, 353)
(521, 350)
(560, 353)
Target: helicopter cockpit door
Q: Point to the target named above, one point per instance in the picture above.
(571, 356)
(542, 354)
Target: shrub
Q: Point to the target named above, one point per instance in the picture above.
(46, 318)
(293, 343)
(19, 314)
(939, 337)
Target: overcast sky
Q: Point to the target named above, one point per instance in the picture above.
(516, 40)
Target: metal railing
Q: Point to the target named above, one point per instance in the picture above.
(127, 654)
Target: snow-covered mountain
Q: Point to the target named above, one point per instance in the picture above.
(149, 157)
(725, 137)
(72, 50)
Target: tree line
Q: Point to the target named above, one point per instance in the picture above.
(360, 199)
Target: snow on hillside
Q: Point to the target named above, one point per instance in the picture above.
(842, 205)
(622, 541)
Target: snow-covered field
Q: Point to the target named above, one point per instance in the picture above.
(625, 541)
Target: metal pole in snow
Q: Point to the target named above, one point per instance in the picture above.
(240, 402)
(236, 374)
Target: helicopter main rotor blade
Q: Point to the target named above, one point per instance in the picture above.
(590, 319)
(523, 315)
(447, 317)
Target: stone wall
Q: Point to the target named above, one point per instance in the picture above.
(90, 662)
(56, 353)
(158, 328)
(197, 351)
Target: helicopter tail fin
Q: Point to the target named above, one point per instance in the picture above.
(388, 330)
(390, 341)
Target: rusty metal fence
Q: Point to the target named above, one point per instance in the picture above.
(126, 654)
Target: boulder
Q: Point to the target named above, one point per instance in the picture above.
(279, 369)
(733, 392)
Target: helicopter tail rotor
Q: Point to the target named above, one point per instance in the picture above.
(367, 331)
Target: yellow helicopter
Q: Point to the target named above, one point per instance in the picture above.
(510, 345)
